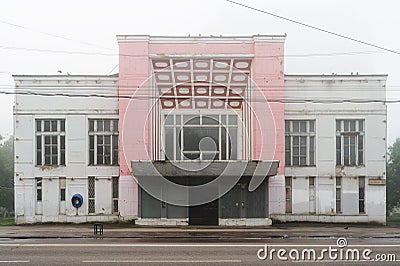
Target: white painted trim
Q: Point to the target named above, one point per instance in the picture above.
(197, 39)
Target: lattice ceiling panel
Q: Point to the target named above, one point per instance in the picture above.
(201, 83)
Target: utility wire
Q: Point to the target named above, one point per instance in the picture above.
(289, 100)
(5, 47)
(316, 28)
(53, 35)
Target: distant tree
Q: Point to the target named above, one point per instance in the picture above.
(7, 174)
(393, 176)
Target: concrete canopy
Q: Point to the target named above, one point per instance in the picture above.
(259, 169)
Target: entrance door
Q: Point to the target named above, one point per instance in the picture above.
(205, 214)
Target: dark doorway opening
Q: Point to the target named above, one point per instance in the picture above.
(205, 214)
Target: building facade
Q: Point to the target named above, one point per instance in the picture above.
(200, 130)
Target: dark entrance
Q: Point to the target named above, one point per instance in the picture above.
(205, 214)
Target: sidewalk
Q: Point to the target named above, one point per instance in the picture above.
(290, 230)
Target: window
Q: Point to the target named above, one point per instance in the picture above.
(311, 194)
(50, 142)
(288, 187)
(338, 194)
(300, 142)
(38, 189)
(91, 194)
(201, 137)
(115, 193)
(62, 182)
(103, 141)
(350, 142)
(361, 194)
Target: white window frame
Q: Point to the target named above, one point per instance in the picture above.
(59, 132)
(310, 138)
(177, 128)
(342, 133)
(114, 139)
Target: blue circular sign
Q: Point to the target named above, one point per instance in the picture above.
(77, 200)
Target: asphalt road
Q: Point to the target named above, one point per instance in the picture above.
(75, 251)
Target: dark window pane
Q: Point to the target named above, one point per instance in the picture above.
(54, 125)
(38, 142)
(352, 125)
(54, 160)
(99, 159)
(62, 194)
(62, 125)
(100, 125)
(338, 125)
(303, 126)
(107, 140)
(287, 126)
(338, 151)
(91, 125)
(38, 125)
(91, 157)
(191, 120)
(296, 126)
(46, 159)
(346, 125)
(361, 125)
(232, 120)
(38, 158)
(91, 142)
(115, 150)
(312, 126)
(107, 125)
(47, 125)
(62, 158)
(312, 150)
(169, 119)
(62, 142)
(115, 127)
(353, 150)
(39, 195)
(46, 139)
(169, 143)
(287, 150)
(207, 120)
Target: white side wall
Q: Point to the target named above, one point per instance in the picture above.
(338, 89)
(76, 112)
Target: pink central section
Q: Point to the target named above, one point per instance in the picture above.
(134, 67)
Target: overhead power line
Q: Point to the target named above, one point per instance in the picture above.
(316, 28)
(57, 51)
(147, 97)
(53, 35)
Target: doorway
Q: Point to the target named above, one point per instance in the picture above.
(205, 214)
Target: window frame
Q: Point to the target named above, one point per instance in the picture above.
(223, 119)
(48, 139)
(115, 194)
(338, 196)
(310, 146)
(344, 133)
(97, 131)
(91, 207)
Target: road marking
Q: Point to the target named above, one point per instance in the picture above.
(14, 261)
(188, 245)
(161, 261)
